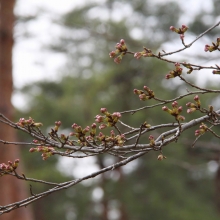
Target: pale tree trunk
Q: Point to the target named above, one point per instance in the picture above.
(11, 190)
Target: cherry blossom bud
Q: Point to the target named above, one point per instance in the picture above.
(172, 28)
(196, 98)
(165, 108)
(72, 134)
(99, 118)
(102, 126)
(169, 76)
(103, 110)
(143, 97)
(122, 41)
(118, 46)
(63, 137)
(86, 129)
(93, 125)
(138, 55)
(151, 137)
(17, 161)
(116, 114)
(32, 150)
(206, 49)
(112, 54)
(175, 104)
(190, 110)
(180, 118)
(180, 109)
(197, 132)
(118, 59)
(184, 28)
(190, 104)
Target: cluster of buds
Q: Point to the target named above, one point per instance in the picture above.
(109, 119)
(202, 129)
(28, 122)
(188, 66)
(175, 111)
(215, 46)
(46, 151)
(179, 31)
(113, 139)
(161, 157)
(120, 51)
(8, 168)
(80, 133)
(193, 106)
(144, 95)
(145, 53)
(175, 73)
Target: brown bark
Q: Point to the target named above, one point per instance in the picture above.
(217, 190)
(11, 190)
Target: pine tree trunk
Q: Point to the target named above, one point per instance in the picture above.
(11, 190)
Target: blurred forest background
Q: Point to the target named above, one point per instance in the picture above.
(185, 185)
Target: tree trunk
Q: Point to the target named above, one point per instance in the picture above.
(11, 190)
(217, 190)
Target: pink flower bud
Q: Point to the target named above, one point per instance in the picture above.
(143, 97)
(180, 118)
(102, 126)
(175, 104)
(58, 123)
(146, 88)
(135, 91)
(180, 109)
(168, 76)
(190, 110)
(206, 49)
(118, 60)
(93, 125)
(165, 108)
(118, 46)
(122, 41)
(103, 110)
(112, 54)
(32, 150)
(17, 161)
(196, 98)
(172, 28)
(72, 134)
(116, 114)
(197, 132)
(151, 137)
(138, 55)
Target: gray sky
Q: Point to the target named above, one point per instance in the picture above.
(30, 62)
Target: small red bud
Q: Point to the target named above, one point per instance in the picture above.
(103, 110)
(165, 108)
(196, 98)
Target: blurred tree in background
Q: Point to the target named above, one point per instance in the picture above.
(180, 187)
